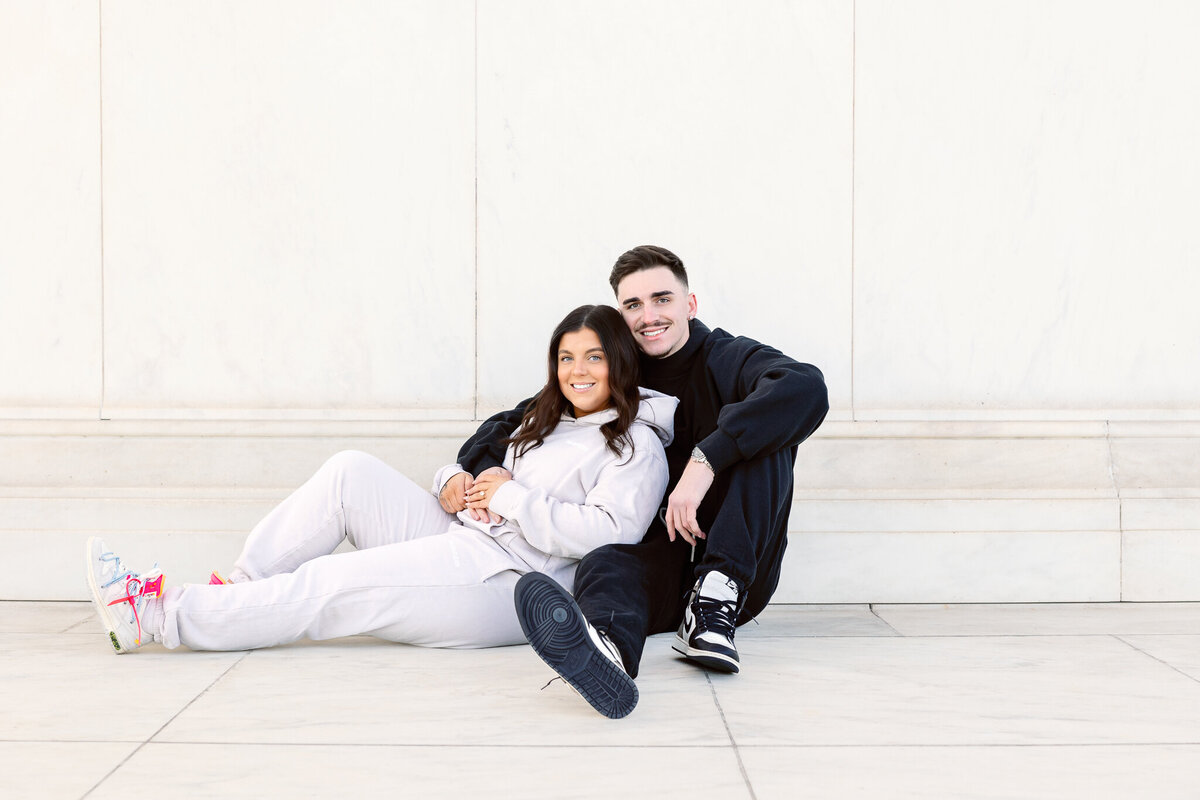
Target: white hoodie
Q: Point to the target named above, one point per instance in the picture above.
(572, 494)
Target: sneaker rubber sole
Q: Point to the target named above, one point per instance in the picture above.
(93, 551)
(557, 631)
(708, 659)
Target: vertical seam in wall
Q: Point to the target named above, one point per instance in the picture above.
(853, 175)
(100, 127)
(1112, 474)
(475, 297)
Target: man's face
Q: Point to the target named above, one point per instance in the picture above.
(656, 307)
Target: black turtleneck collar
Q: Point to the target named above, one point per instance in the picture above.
(656, 371)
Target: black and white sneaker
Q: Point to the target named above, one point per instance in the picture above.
(706, 633)
(579, 653)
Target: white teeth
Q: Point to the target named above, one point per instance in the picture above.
(579, 387)
(654, 334)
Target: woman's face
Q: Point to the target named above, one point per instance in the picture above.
(583, 372)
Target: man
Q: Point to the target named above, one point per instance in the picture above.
(712, 558)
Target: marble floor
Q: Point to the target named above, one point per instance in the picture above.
(971, 701)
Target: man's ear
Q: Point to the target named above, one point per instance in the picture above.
(693, 305)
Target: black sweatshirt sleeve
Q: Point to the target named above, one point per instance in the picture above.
(778, 402)
(486, 446)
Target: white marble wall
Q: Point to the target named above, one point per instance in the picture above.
(289, 193)
(1025, 206)
(373, 209)
(719, 130)
(50, 308)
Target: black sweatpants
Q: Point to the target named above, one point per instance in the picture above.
(634, 590)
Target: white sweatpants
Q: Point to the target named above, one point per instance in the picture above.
(417, 576)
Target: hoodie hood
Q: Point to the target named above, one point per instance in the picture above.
(656, 410)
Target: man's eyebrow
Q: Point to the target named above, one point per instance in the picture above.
(663, 293)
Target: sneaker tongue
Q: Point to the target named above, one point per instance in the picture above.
(719, 587)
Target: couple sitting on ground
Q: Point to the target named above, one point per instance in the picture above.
(589, 517)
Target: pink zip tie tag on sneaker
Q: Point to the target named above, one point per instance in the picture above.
(216, 579)
(135, 588)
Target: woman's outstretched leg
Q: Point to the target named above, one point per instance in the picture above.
(352, 496)
(453, 590)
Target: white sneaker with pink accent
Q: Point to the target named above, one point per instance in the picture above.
(129, 604)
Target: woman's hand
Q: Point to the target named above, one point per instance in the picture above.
(453, 496)
(483, 489)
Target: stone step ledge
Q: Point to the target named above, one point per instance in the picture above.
(819, 567)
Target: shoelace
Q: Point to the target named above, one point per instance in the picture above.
(715, 616)
(136, 590)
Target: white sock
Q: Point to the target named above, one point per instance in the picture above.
(237, 575)
(152, 618)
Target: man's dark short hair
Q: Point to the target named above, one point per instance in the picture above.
(646, 256)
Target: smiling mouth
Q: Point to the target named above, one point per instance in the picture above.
(652, 333)
(582, 387)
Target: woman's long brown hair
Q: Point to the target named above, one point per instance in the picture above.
(548, 406)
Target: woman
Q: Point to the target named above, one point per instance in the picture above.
(585, 468)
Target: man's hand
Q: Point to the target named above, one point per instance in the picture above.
(683, 502)
(453, 496)
(497, 471)
(480, 492)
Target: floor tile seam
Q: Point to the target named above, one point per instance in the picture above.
(774, 637)
(78, 627)
(729, 732)
(1041, 529)
(930, 636)
(959, 605)
(593, 747)
(1170, 666)
(963, 745)
(5, 740)
(391, 745)
(1081, 635)
(875, 613)
(163, 727)
(73, 631)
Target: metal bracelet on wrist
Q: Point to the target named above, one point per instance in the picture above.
(699, 457)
